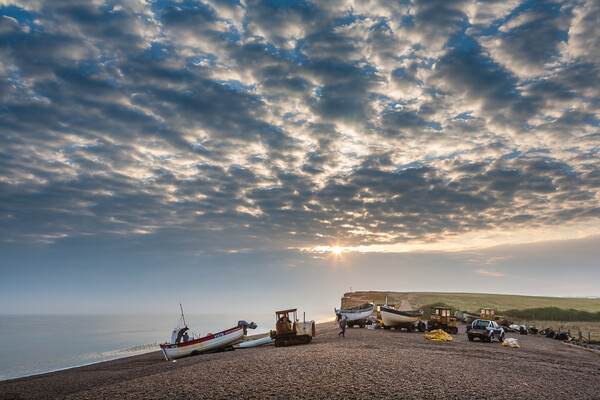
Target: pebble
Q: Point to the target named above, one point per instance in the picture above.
(365, 364)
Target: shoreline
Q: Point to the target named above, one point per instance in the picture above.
(103, 357)
(366, 363)
(249, 337)
(76, 366)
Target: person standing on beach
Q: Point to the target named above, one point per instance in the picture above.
(343, 326)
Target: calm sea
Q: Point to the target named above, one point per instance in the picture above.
(32, 345)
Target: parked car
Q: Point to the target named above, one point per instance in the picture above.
(485, 330)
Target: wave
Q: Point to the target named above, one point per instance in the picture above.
(90, 359)
(139, 349)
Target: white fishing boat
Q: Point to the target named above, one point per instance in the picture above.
(211, 341)
(400, 319)
(357, 313)
(256, 342)
(180, 346)
(466, 316)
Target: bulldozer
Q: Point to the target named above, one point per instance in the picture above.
(490, 314)
(290, 331)
(440, 318)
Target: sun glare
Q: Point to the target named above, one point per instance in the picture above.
(336, 250)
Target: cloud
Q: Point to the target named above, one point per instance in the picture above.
(223, 126)
(530, 42)
(583, 31)
(484, 13)
(486, 272)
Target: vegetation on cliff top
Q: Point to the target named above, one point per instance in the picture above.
(529, 305)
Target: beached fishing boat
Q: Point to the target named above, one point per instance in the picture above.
(256, 342)
(466, 316)
(356, 313)
(181, 346)
(400, 319)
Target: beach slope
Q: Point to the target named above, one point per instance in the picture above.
(365, 364)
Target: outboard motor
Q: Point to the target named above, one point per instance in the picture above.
(246, 325)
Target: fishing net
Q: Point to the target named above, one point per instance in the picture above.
(511, 342)
(438, 335)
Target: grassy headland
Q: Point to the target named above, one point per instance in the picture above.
(561, 313)
(476, 301)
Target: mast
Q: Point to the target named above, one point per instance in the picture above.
(182, 316)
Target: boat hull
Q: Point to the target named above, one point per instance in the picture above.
(468, 317)
(355, 315)
(391, 317)
(202, 345)
(256, 342)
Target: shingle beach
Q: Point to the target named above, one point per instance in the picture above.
(365, 364)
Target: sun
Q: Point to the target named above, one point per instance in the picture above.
(336, 250)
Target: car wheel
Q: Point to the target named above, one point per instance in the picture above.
(471, 338)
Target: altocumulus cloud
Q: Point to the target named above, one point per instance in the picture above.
(229, 125)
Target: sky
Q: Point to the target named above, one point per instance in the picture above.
(259, 155)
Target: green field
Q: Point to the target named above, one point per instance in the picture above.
(535, 309)
(501, 302)
(475, 301)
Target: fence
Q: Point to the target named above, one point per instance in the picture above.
(587, 338)
(581, 340)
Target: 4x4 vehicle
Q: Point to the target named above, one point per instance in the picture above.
(485, 330)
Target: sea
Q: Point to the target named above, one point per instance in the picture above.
(31, 344)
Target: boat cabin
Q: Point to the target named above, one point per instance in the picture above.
(177, 334)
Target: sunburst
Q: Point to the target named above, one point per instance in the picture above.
(337, 250)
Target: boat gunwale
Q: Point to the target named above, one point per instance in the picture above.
(358, 309)
(266, 335)
(202, 339)
(409, 313)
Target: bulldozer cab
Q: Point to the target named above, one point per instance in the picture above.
(289, 331)
(441, 318)
(441, 314)
(490, 313)
(284, 322)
